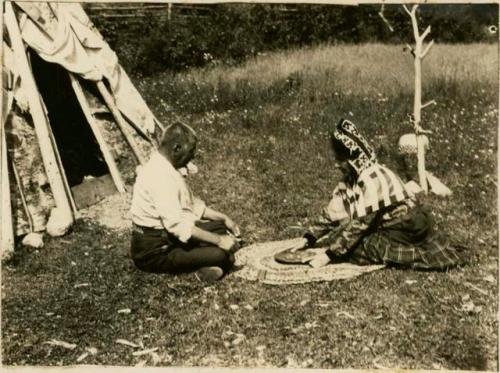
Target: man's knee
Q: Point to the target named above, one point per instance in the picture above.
(228, 261)
(223, 259)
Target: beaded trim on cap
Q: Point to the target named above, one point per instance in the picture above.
(347, 133)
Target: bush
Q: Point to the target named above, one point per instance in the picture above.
(234, 32)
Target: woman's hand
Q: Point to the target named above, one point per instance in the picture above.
(320, 260)
(301, 244)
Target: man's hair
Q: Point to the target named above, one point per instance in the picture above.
(177, 133)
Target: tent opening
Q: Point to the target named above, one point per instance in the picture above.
(78, 148)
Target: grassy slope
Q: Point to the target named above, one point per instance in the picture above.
(264, 159)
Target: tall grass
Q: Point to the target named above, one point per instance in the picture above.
(264, 124)
(361, 70)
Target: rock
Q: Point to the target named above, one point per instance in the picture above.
(58, 223)
(33, 240)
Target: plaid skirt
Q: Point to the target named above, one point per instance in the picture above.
(411, 242)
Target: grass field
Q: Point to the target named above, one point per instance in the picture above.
(264, 159)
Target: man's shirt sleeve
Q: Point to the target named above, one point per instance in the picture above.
(199, 207)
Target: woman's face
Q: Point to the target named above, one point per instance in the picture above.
(342, 164)
(340, 160)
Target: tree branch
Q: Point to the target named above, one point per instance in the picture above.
(420, 131)
(381, 15)
(431, 102)
(426, 32)
(406, 9)
(424, 53)
(414, 23)
(412, 51)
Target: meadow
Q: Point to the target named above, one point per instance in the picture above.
(264, 159)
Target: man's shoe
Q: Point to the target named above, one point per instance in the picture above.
(209, 274)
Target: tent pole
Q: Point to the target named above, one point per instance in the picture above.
(23, 198)
(58, 158)
(108, 99)
(108, 157)
(39, 120)
(61, 168)
(6, 225)
(7, 228)
(158, 123)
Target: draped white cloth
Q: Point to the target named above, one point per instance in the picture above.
(62, 33)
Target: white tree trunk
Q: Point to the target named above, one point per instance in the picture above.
(417, 102)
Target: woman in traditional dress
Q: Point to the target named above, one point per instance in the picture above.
(373, 217)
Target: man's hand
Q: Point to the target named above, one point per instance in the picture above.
(214, 215)
(228, 243)
(232, 226)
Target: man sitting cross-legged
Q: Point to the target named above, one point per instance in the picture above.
(173, 231)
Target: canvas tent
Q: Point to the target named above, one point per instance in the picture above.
(70, 117)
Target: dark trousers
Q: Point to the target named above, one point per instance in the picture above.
(157, 251)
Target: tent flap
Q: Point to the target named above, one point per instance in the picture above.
(68, 39)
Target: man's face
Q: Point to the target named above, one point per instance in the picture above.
(183, 154)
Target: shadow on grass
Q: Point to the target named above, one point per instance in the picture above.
(472, 355)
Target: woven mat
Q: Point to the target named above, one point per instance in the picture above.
(259, 265)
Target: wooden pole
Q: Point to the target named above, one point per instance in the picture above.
(110, 103)
(58, 158)
(419, 54)
(108, 157)
(63, 172)
(39, 120)
(6, 224)
(21, 194)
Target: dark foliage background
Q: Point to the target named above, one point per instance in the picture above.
(148, 41)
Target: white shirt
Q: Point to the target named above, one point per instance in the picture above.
(161, 199)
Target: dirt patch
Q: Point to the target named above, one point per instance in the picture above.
(112, 212)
